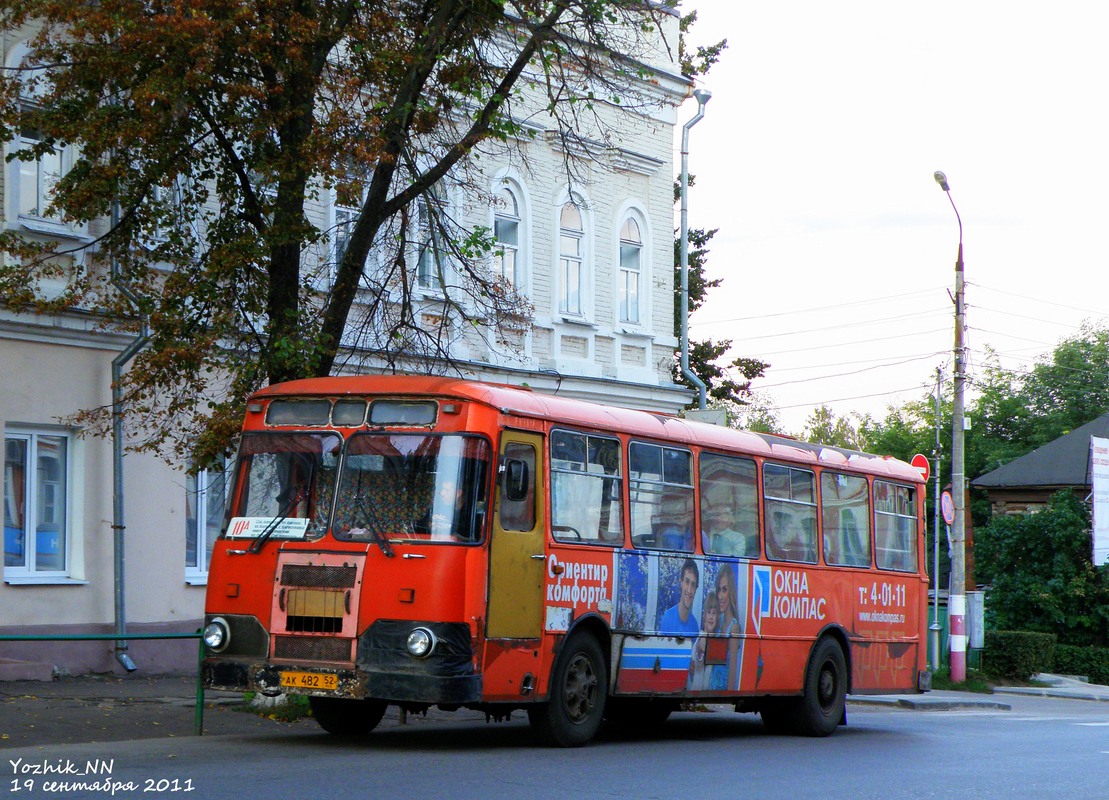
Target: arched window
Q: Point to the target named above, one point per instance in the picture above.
(33, 178)
(571, 260)
(506, 232)
(631, 266)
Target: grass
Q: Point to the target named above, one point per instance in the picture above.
(293, 708)
(976, 681)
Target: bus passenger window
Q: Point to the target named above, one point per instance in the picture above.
(586, 488)
(661, 485)
(729, 506)
(895, 526)
(790, 513)
(845, 504)
(519, 515)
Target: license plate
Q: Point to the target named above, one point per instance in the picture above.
(310, 680)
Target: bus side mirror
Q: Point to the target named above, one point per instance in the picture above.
(515, 480)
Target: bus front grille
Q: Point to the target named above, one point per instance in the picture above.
(311, 648)
(324, 577)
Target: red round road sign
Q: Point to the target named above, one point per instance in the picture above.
(920, 463)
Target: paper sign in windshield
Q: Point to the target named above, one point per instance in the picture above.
(251, 527)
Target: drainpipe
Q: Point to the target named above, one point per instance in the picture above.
(702, 96)
(118, 526)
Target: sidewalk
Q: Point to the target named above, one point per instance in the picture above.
(119, 708)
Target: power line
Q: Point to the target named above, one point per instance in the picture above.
(1037, 299)
(855, 324)
(852, 344)
(824, 308)
(853, 372)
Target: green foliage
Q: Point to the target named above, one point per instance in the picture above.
(1041, 575)
(825, 427)
(701, 59)
(728, 383)
(205, 134)
(1091, 662)
(1018, 655)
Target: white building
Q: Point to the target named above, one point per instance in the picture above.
(595, 259)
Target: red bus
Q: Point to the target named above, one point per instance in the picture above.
(423, 541)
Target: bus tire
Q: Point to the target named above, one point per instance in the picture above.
(823, 705)
(576, 706)
(347, 718)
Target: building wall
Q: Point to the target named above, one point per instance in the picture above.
(54, 370)
(59, 366)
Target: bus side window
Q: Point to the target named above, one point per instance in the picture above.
(895, 526)
(729, 506)
(661, 489)
(518, 512)
(790, 513)
(586, 488)
(845, 503)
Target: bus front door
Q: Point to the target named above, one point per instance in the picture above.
(516, 550)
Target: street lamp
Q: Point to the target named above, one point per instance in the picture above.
(702, 96)
(957, 599)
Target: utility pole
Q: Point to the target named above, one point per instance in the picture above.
(957, 599)
(935, 628)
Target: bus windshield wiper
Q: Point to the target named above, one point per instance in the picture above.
(299, 497)
(371, 524)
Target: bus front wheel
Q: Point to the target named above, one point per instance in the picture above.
(341, 717)
(576, 706)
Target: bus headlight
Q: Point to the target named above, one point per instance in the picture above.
(421, 642)
(217, 634)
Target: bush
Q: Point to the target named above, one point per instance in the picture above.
(1093, 662)
(1018, 655)
(1041, 576)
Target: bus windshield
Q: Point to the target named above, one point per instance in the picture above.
(412, 486)
(285, 485)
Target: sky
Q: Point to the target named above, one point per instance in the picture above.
(837, 247)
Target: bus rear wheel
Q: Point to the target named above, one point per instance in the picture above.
(822, 706)
(341, 717)
(573, 714)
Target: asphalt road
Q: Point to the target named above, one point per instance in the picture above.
(1041, 747)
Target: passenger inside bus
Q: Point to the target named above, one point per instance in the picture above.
(720, 537)
(791, 538)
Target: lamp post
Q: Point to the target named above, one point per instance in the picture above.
(702, 97)
(957, 599)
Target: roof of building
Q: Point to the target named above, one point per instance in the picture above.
(1062, 462)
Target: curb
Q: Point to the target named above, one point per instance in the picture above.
(1065, 693)
(926, 703)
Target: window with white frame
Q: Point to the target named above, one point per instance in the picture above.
(37, 178)
(32, 180)
(506, 232)
(36, 502)
(205, 503)
(345, 216)
(571, 260)
(631, 266)
(429, 243)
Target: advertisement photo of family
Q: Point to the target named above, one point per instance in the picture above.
(691, 613)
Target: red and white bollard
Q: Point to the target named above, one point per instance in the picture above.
(957, 608)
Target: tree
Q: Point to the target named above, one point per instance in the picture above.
(729, 383)
(1041, 575)
(206, 130)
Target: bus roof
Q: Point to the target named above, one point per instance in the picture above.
(522, 401)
